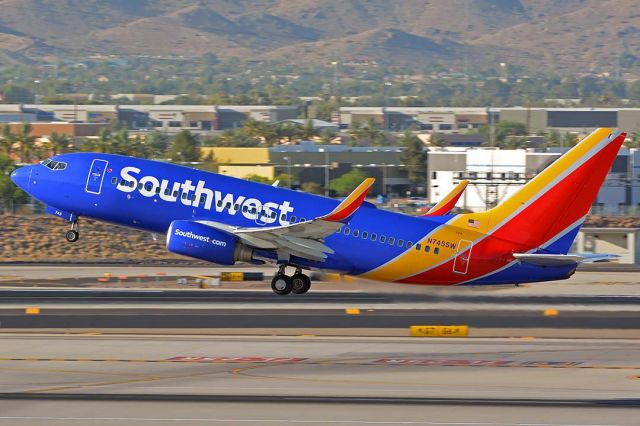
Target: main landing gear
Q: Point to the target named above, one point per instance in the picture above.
(73, 234)
(283, 284)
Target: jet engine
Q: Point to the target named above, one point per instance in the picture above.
(200, 241)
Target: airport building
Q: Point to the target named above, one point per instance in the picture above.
(309, 162)
(436, 119)
(459, 120)
(494, 175)
(624, 242)
(165, 118)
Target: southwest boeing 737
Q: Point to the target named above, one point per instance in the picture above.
(224, 220)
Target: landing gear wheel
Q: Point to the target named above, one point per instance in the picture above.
(72, 236)
(301, 284)
(281, 284)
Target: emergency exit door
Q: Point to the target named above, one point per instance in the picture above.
(96, 176)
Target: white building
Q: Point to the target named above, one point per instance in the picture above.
(494, 175)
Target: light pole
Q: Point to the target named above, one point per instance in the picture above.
(326, 170)
(288, 170)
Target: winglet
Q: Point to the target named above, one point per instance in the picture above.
(448, 203)
(349, 205)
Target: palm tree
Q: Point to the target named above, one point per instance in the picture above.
(308, 131)
(103, 144)
(59, 143)
(369, 132)
(26, 142)
(7, 139)
(261, 130)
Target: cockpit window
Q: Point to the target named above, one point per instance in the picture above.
(54, 165)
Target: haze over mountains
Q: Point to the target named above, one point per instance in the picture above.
(539, 35)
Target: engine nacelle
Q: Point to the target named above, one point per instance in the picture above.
(203, 242)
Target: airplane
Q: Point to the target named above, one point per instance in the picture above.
(225, 220)
(447, 204)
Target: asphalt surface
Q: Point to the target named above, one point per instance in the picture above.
(107, 380)
(316, 318)
(80, 296)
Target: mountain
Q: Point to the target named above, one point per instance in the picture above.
(537, 35)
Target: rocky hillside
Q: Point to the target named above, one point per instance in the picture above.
(578, 35)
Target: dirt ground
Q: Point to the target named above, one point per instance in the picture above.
(40, 238)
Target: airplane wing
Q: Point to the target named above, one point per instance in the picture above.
(449, 202)
(303, 239)
(563, 259)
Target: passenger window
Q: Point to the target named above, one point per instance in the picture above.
(244, 208)
(139, 186)
(166, 191)
(356, 232)
(302, 219)
(400, 243)
(409, 244)
(436, 250)
(175, 194)
(418, 246)
(283, 217)
(383, 238)
(427, 249)
(273, 215)
(157, 190)
(203, 199)
(293, 219)
(365, 235)
(148, 187)
(184, 195)
(114, 180)
(374, 237)
(392, 240)
(227, 206)
(347, 231)
(132, 184)
(193, 197)
(219, 203)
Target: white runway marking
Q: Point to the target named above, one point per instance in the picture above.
(279, 421)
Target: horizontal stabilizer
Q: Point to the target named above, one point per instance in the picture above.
(563, 259)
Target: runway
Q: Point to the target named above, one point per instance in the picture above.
(307, 380)
(337, 355)
(299, 318)
(266, 297)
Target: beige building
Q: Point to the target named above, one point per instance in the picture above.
(437, 119)
(242, 162)
(621, 241)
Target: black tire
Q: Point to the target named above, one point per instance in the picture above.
(301, 284)
(72, 236)
(281, 284)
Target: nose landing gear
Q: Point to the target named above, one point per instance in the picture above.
(283, 284)
(73, 234)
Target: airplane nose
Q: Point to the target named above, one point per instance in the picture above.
(21, 176)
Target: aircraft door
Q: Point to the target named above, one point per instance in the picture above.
(463, 257)
(96, 176)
